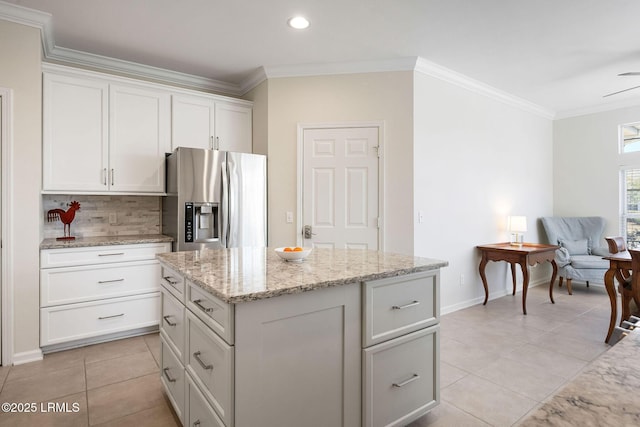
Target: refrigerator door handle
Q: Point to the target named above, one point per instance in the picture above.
(224, 223)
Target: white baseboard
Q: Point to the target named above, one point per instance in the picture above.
(27, 356)
(493, 295)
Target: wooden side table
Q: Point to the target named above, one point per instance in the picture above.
(526, 255)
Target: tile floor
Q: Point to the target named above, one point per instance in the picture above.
(109, 384)
(497, 366)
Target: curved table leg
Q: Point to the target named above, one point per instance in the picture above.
(513, 277)
(483, 264)
(553, 279)
(525, 285)
(611, 291)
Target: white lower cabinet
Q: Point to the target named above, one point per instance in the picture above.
(400, 379)
(305, 359)
(173, 378)
(86, 293)
(200, 413)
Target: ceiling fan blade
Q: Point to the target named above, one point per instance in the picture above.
(631, 73)
(620, 91)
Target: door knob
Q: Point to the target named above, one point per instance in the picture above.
(307, 232)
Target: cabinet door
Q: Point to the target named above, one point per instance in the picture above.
(307, 348)
(192, 122)
(75, 138)
(139, 138)
(233, 127)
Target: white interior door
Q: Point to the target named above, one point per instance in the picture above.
(340, 187)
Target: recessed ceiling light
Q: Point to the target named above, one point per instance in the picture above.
(298, 22)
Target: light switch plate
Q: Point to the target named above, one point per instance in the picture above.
(289, 217)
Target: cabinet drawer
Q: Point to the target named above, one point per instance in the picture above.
(217, 314)
(172, 323)
(173, 282)
(401, 378)
(399, 305)
(77, 284)
(89, 319)
(172, 377)
(200, 413)
(210, 361)
(69, 257)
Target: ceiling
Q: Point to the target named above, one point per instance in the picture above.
(562, 55)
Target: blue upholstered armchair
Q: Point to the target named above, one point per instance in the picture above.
(581, 248)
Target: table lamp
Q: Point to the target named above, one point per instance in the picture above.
(517, 226)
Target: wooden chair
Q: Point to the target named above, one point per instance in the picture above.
(630, 288)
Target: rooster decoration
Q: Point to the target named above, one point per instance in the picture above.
(66, 218)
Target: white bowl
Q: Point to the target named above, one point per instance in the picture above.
(293, 255)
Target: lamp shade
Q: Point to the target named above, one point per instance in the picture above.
(517, 224)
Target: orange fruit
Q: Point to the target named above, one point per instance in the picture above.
(298, 249)
(288, 250)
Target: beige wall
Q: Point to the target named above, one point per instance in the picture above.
(385, 97)
(259, 97)
(20, 71)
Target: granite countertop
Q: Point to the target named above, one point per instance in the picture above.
(83, 242)
(247, 274)
(605, 393)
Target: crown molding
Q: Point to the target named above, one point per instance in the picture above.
(23, 15)
(114, 65)
(600, 108)
(331, 68)
(434, 70)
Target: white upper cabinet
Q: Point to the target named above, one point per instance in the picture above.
(103, 135)
(211, 122)
(75, 133)
(193, 121)
(233, 127)
(139, 129)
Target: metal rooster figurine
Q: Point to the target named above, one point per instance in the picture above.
(66, 218)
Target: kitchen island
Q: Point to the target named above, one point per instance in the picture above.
(345, 337)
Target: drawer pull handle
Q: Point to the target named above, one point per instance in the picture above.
(171, 280)
(166, 374)
(169, 322)
(402, 307)
(196, 356)
(110, 281)
(110, 317)
(202, 307)
(405, 382)
(196, 423)
(112, 254)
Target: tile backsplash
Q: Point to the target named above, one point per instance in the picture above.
(105, 215)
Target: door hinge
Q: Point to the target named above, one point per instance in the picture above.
(379, 150)
(379, 222)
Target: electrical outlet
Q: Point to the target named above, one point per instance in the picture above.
(462, 280)
(289, 217)
(113, 218)
(420, 217)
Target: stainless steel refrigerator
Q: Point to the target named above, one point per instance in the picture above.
(215, 199)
